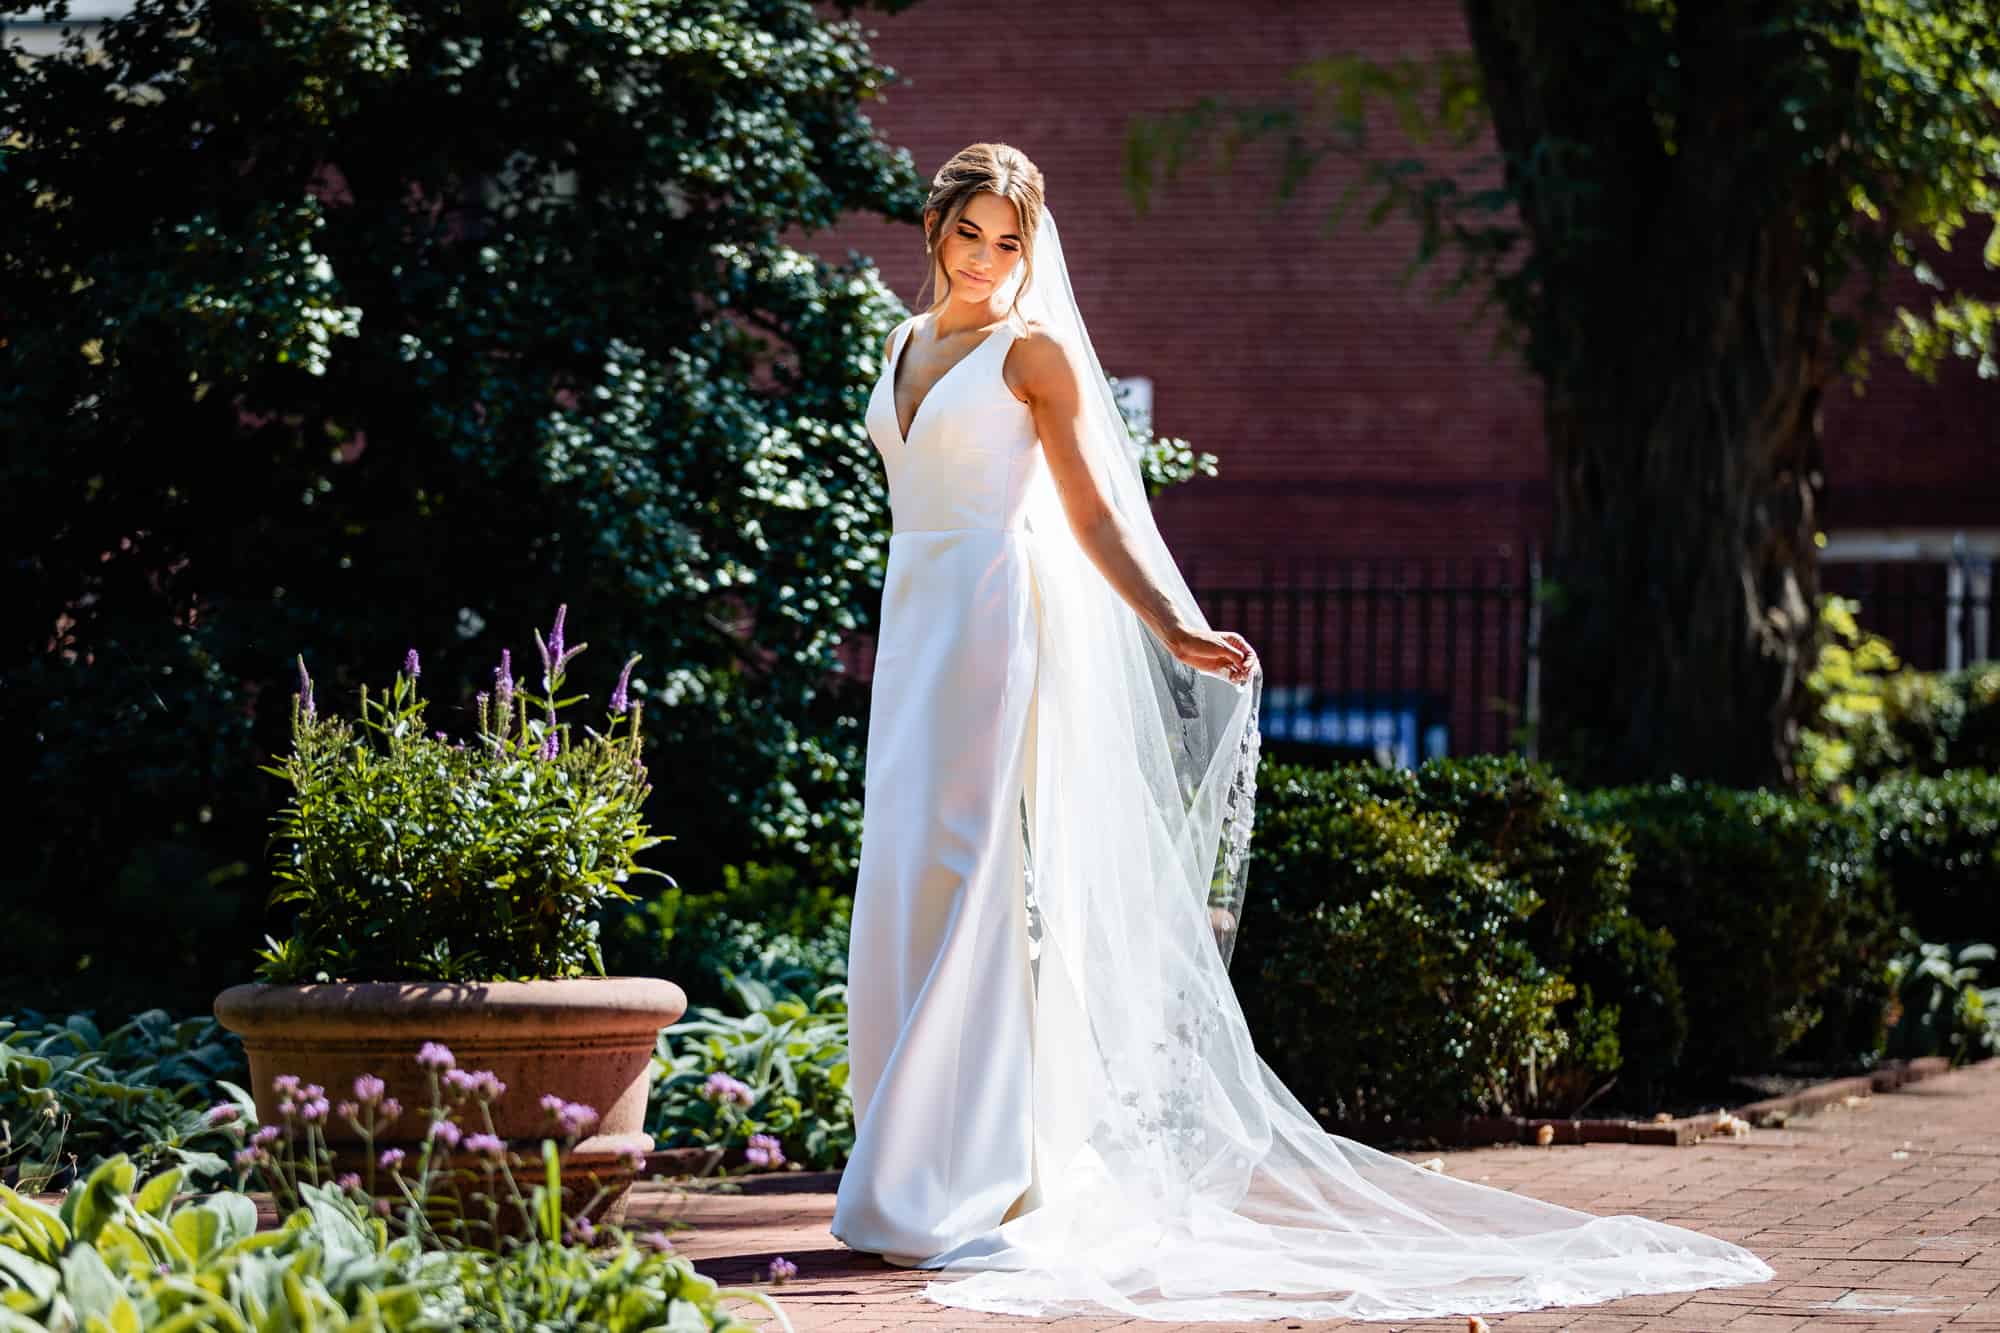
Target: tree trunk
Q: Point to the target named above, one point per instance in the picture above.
(1683, 624)
(1679, 329)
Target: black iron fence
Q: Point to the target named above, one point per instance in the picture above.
(1402, 659)
(1938, 613)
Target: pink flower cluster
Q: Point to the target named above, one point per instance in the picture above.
(305, 1102)
(764, 1150)
(482, 1084)
(720, 1087)
(572, 1118)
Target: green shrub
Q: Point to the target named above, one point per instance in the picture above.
(1937, 842)
(768, 926)
(1876, 718)
(1943, 1010)
(72, 1096)
(1627, 1016)
(408, 857)
(1933, 723)
(1388, 975)
(1780, 925)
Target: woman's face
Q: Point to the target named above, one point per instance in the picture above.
(981, 249)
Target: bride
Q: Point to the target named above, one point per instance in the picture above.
(1056, 1097)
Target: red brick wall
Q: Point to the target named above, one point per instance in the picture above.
(1402, 433)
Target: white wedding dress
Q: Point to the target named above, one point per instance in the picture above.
(1056, 1096)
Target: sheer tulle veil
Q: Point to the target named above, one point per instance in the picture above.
(1180, 1179)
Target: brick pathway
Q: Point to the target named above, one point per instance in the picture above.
(1883, 1216)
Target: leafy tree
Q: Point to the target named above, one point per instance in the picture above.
(1689, 229)
(339, 328)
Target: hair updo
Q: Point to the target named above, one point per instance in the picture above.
(1001, 168)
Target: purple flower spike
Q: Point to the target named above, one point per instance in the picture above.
(503, 682)
(556, 635)
(305, 689)
(551, 746)
(621, 696)
(410, 665)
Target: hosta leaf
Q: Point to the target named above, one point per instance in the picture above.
(156, 1196)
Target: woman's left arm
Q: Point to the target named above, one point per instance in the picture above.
(1047, 377)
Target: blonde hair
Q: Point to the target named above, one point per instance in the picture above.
(997, 167)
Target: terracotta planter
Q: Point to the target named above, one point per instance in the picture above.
(587, 1040)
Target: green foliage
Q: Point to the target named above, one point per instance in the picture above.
(118, 1255)
(768, 926)
(1627, 1017)
(411, 857)
(1936, 840)
(286, 363)
(1780, 924)
(1875, 718)
(73, 1096)
(1851, 685)
(1943, 1008)
(784, 1063)
(1392, 975)
(629, 1285)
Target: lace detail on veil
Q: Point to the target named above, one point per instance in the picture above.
(1239, 815)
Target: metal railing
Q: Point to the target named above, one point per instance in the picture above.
(1402, 659)
(1932, 599)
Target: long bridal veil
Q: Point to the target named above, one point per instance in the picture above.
(1180, 1179)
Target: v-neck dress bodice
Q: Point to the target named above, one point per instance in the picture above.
(941, 986)
(970, 458)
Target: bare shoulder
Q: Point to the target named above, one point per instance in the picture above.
(1038, 363)
(1036, 340)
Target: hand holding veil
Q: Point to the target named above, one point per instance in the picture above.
(1181, 1179)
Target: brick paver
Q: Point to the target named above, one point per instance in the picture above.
(1882, 1216)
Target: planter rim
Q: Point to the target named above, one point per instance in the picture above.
(256, 1008)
